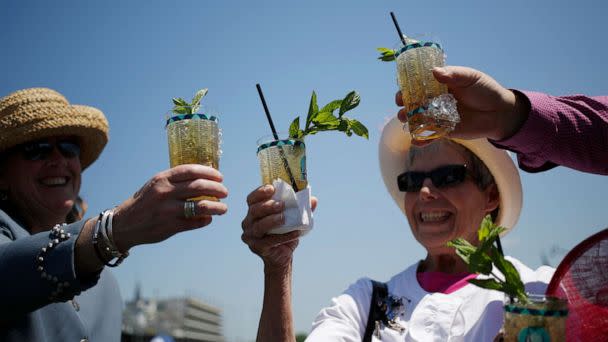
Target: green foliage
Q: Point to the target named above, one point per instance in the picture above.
(300, 337)
(325, 119)
(481, 260)
(180, 106)
(386, 55)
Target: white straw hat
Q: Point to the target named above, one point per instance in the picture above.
(393, 151)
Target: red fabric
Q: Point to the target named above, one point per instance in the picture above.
(582, 279)
(443, 282)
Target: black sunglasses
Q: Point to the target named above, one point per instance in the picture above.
(411, 181)
(40, 150)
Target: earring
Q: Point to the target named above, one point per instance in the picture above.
(3, 196)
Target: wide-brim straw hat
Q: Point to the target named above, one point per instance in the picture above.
(393, 151)
(36, 113)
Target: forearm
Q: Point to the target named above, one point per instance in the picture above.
(276, 320)
(571, 131)
(86, 261)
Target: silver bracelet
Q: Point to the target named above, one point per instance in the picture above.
(103, 243)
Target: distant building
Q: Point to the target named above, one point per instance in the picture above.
(184, 319)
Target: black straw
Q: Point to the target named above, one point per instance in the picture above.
(276, 137)
(398, 28)
(274, 131)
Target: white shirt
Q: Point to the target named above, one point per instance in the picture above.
(467, 314)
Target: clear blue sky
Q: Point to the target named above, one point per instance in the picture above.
(129, 58)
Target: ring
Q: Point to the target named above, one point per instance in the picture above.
(189, 209)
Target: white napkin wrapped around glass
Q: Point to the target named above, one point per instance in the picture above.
(298, 212)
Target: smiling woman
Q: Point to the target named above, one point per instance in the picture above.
(53, 283)
(445, 190)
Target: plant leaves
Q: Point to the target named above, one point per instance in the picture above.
(178, 101)
(358, 128)
(350, 101)
(480, 263)
(330, 107)
(490, 284)
(182, 110)
(313, 109)
(386, 55)
(294, 128)
(196, 100)
(325, 118)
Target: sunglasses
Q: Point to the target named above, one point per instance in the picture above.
(411, 181)
(40, 150)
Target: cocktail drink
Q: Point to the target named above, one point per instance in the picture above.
(431, 110)
(543, 319)
(283, 159)
(194, 139)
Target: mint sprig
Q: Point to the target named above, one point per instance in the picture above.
(480, 260)
(183, 107)
(386, 54)
(325, 119)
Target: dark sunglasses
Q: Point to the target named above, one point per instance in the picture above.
(411, 181)
(40, 150)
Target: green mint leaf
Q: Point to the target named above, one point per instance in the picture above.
(480, 263)
(196, 100)
(325, 118)
(178, 101)
(486, 255)
(358, 128)
(386, 55)
(512, 279)
(490, 284)
(349, 102)
(294, 128)
(182, 110)
(330, 107)
(313, 109)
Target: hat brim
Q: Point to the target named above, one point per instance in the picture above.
(86, 123)
(393, 151)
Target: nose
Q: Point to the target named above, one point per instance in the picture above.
(55, 157)
(428, 191)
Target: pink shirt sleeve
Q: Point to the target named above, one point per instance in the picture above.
(562, 130)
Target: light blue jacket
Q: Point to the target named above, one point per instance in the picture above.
(89, 309)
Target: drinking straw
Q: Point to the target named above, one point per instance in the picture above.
(398, 28)
(276, 137)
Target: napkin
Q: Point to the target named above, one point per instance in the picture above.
(298, 213)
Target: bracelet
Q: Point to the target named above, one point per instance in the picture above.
(103, 241)
(56, 236)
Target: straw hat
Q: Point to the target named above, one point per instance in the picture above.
(37, 113)
(393, 150)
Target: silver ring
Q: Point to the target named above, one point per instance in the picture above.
(189, 209)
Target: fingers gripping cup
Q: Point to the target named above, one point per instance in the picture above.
(431, 110)
(194, 139)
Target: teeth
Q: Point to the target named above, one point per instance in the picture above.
(434, 216)
(55, 181)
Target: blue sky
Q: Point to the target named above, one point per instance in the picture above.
(129, 58)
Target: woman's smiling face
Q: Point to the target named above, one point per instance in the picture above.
(438, 215)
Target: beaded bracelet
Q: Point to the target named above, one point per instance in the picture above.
(103, 242)
(57, 236)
